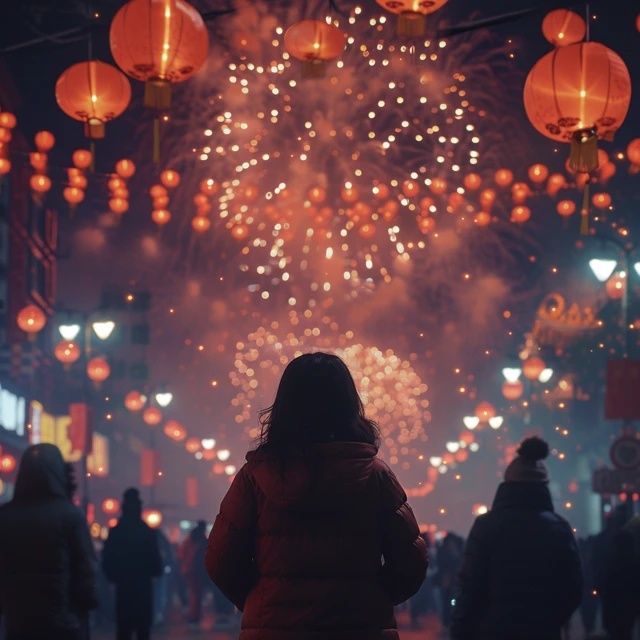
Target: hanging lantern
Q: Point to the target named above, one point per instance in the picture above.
(152, 416)
(125, 168)
(93, 92)
(8, 463)
(98, 370)
(118, 205)
(209, 186)
(73, 195)
(8, 120)
(485, 411)
(471, 181)
(503, 177)
(40, 183)
(410, 188)
(170, 178)
(438, 186)
(160, 43)
(578, 94)
(615, 286)
(134, 401)
(157, 191)
(426, 224)
(44, 141)
(192, 445)
(315, 43)
(110, 506)
(562, 27)
(317, 194)
(520, 191)
(82, 158)
(633, 152)
(5, 166)
(349, 193)
(601, 200)
(31, 319)
(67, 352)
(174, 430)
(520, 214)
(566, 208)
(532, 367)
(487, 199)
(512, 390)
(161, 216)
(76, 178)
(482, 219)
(200, 224)
(538, 173)
(38, 161)
(239, 231)
(555, 182)
(411, 14)
(152, 517)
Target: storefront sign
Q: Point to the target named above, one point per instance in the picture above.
(12, 412)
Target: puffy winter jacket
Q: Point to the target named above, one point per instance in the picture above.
(521, 577)
(47, 564)
(318, 548)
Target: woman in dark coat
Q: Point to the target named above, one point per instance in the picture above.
(521, 577)
(300, 537)
(47, 564)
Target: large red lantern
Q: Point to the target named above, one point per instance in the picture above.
(411, 14)
(31, 319)
(98, 370)
(160, 43)
(562, 27)
(314, 42)
(67, 352)
(579, 94)
(93, 92)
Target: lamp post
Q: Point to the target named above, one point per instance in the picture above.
(89, 325)
(603, 269)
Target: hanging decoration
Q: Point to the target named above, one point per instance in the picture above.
(31, 319)
(7, 123)
(160, 43)
(314, 43)
(94, 93)
(562, 27)
(159, 193)
(118, 188)
(411, 14)
(40, 182)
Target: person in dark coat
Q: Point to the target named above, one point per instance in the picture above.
(315, 539)
(192, 552)
(521, 576)
(131, 559)
(47, 564)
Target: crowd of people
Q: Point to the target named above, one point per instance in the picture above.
(315, 540)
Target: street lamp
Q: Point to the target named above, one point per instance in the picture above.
(602, 268)
(103, 328)
(512, 374)
(163, 398)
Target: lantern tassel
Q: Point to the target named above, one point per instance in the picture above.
(584, 151)
(156, 140)
(584, 210)
(411, 24)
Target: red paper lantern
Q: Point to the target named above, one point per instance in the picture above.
(579, 94)
(77, 178)
(8, 120)
(67, 352)
(411, 14)
(367, 231)
(44, 141)
(615, 286)
(520, 191)
(152, 517)
(98, 369)
(485, 411)
(31, 319)
(555, 182)
(426, 224)
(174, 430)
(520, 214)
(472, 181)
(482, 219)
(160, 43)
(134, 401)
(314, 42)
(487, 198)
(118, 205)
(566, 208)
(40, 183)
(438, 186)
(161, 216)
(200, 224)
(152, 416)
(239, 231)
(512, 390)
(110, 506)
(532, 367)
(73, 195)
(8, 463)
(82, 158)
(601, 200)
(538, 173)
(170, 178)
(633, 151)
(93, 92)
(503, 177)
(562, 27)
(5, 166)
(192, 445)
(39, 161)
(125, 168)
(209, 186)
(410, 188)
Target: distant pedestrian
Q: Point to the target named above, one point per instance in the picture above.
(131, 559)
(450, 554)
(47, 564)
(521, 577)
(315, 539)
(192, 552)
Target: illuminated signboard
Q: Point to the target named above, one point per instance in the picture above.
(12, 412)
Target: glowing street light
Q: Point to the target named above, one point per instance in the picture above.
(208, 443)
(545, 375)
(164, 398)
(103, 328)
(602, 268)
(496, 422)
(471, 422)
(512, 374)
(69, 331)
(224, 455)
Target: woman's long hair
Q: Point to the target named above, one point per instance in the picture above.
(317, 401)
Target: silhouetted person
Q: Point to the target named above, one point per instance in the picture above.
(47, 564)
(298, 542)
(521, 577)
(130, 559)
(192, 554)
(450, 555)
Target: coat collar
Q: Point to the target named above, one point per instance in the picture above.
(534, 496)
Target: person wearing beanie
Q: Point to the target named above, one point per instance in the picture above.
(521, 577)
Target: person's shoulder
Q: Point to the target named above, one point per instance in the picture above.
(388, 485)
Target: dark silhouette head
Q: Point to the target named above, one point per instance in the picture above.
(200, 530)
(131, 504)
(41, 475)
(317, 401)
